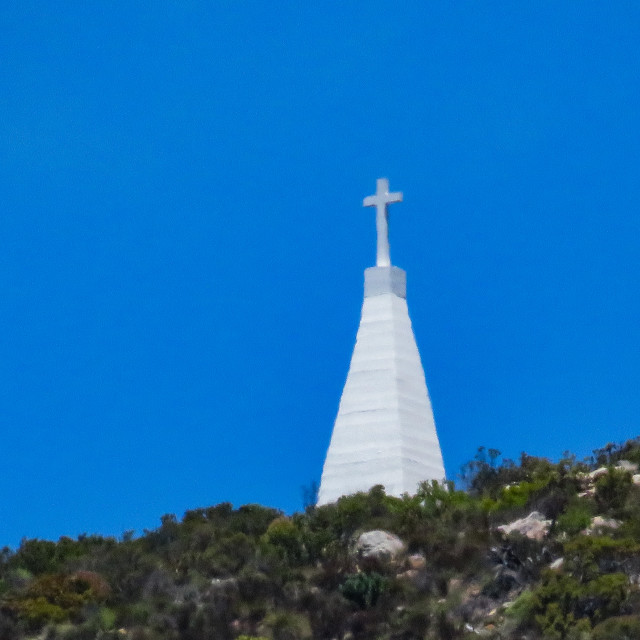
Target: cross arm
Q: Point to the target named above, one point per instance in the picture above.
(394, 197)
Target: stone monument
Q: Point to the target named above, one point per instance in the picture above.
(384, 432)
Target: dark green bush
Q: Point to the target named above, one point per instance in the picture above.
(560, 601)
(612, 490)
(364, 588)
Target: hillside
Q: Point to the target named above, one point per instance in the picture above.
(565, 566)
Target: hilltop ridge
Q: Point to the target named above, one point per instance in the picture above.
(530, 549)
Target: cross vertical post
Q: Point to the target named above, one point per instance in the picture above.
(380, 201)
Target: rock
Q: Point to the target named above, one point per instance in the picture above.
(598, 473)
(504, 581)
(473, 591)
(589, 493)
(380, 545)
(504, 556)
(454, 584)
(556, 565)
(535, 526)
(409, 574)
(413, 575)
(224, 584)
(417, 561)
(600, 522)
(626, 465)
(636, 479)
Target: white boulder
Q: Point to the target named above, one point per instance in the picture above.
(535, 526)
(600, 522)
(380, 545)
(598, 473)
(626, 465)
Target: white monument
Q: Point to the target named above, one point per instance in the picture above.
(384, 432)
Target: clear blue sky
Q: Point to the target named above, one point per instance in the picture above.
(182, 241)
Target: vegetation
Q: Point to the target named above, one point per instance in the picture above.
(253, 573)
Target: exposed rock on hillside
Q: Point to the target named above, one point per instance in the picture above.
(445, 564)
(379, 545)
(535, 526)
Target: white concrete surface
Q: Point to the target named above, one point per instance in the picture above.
(384, 432)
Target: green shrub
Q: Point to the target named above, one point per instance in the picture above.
(587, 556)
(554, 621)
(618, 628)
(36, 556)
(36, 612)
(254, 585)
(604, 596)
(226, 556)
(414, 621)
(576, 518)
(252, 519)
(364, 588)
(519, 495)
(560, 601)
(285, 536)
(580, 631)
(106, 618)
(135, 614)
(523, 608)
(285, 625)
(612, 490)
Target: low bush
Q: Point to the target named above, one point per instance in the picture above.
(364, 588)
(286, 625)
(618, 628)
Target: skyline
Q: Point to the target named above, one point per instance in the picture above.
(183, 241)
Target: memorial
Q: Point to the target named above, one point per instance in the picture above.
(384, 432)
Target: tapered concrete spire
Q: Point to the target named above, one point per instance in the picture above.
(384, 432)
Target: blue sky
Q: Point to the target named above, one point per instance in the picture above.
(182, 241)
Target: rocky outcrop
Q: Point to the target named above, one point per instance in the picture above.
(535, 526)
(588, 480)
(626, 465)
(621, 465)
(598, 523)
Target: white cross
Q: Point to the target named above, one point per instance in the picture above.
(380, 201)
